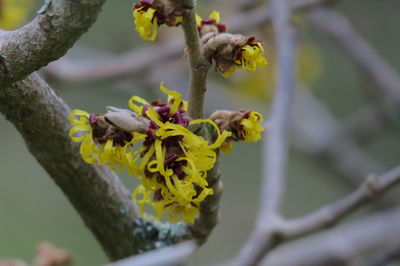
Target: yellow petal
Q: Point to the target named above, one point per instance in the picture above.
(215, 15)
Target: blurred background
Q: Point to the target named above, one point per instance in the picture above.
(343, 126)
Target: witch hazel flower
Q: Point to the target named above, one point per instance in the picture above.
(229, 51)
(243, 124)
(175, 160)
(155, 143)
(150, 14)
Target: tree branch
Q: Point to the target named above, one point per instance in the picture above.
(370, 189)
(46, 38)
(317, 132)
(199, 65)
(275, 146)
(98, 195)
(352, 244)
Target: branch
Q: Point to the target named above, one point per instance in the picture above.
(369, 190)
(369, 60)
(275, 146)
(46, 38)
(169, 256)
(317, 132)
(96, 192)
(370, 120)
(346, 245)
(199, 65)
(209, 208)
(134, 62)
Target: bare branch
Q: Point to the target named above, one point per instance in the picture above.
(275, 146)
(369, 60)
(370, 189)
(168, 256)
(344, 246)
(317, 132)
(199, 65)
(97, 193)
(370, 120)
(46, 38)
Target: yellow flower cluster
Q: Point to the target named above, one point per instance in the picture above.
(249, 57)
(172, 162)
(13, 13)
(245, 126)
(148, 17)
(230, 51)
(146, 23)
(250, 127)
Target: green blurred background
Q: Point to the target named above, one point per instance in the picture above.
(33, 209)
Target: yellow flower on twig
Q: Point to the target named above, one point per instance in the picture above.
(150, 14)
(170, 160)
(146, 22)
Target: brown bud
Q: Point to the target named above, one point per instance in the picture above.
(223, 48)
(230, 121)
(126, 120)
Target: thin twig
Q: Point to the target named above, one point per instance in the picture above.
(369, 190)
(275, 146)
(199, 65)
(352, 244)
(367, 58)
(316, 131)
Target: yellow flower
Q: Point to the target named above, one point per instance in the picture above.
(214, 16)
(252, 56)
(251, 127)
(176, 160)
(171, 162)
(149, 15)
(108, 153)
(227, 147)
(249, 57)
(13, 13)
(146, 22)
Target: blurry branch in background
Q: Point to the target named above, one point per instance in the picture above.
(318, 133)
(103, 202)
(275, 144)
(364, 55)
(46, 38)
(369, 120)
(169, 256)
(328, 215)
(134, 62)
(347, 245)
